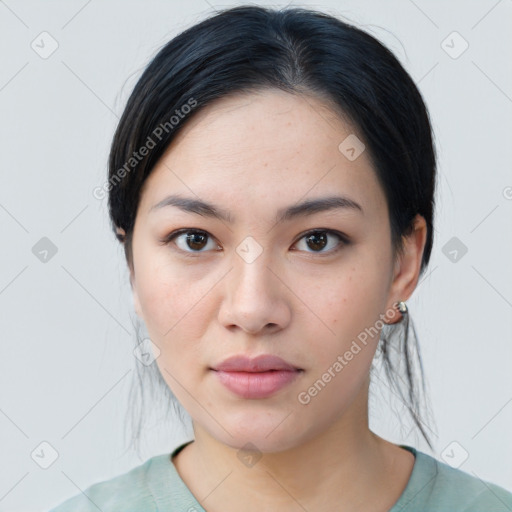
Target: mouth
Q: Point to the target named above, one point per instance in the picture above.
(256, 385)
(262, 363)
(256, 378)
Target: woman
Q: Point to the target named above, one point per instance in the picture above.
(272, 180)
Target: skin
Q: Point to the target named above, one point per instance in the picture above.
(252, 154)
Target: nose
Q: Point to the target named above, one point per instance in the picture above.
(256, 299)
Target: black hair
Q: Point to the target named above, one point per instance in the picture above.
(302, 52)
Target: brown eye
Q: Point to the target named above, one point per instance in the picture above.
(190, 240)
(195, 240)
(318, 240)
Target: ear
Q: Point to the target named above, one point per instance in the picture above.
(408, 264)
(135, 296)
(121, 236)
(135, 293)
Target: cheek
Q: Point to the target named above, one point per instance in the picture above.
(172, 315)
(171, 300)
(352, 298)
(345, 342)
(347, 309)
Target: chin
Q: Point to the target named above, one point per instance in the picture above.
(258, 443)
(272, 435)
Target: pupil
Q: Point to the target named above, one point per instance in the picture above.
(192, 239)
(315, 237)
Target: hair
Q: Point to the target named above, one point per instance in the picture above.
(303, 52)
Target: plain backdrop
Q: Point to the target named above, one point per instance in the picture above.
(66, 362)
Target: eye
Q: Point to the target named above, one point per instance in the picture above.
(318, 239)
(187, 239)
(194, 240)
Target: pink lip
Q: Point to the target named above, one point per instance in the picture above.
(256, 378)
(261, 363)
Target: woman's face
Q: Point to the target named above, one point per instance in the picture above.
(259, 282)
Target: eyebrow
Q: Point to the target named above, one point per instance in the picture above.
(306, 208)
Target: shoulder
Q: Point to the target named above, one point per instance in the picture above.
(128, 492)
(451, 489)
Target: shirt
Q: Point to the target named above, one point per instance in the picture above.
(157, 486)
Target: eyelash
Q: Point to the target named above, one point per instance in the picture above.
(342, 238)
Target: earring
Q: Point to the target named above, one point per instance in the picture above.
(401, 308)
(120, 234)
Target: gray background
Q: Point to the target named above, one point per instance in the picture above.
(66, 323)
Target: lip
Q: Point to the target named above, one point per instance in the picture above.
(259, 377)
(262, 363)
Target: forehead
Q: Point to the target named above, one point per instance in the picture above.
(238, 118)
(270, 143)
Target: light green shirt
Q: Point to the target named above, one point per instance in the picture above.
(157, 486)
